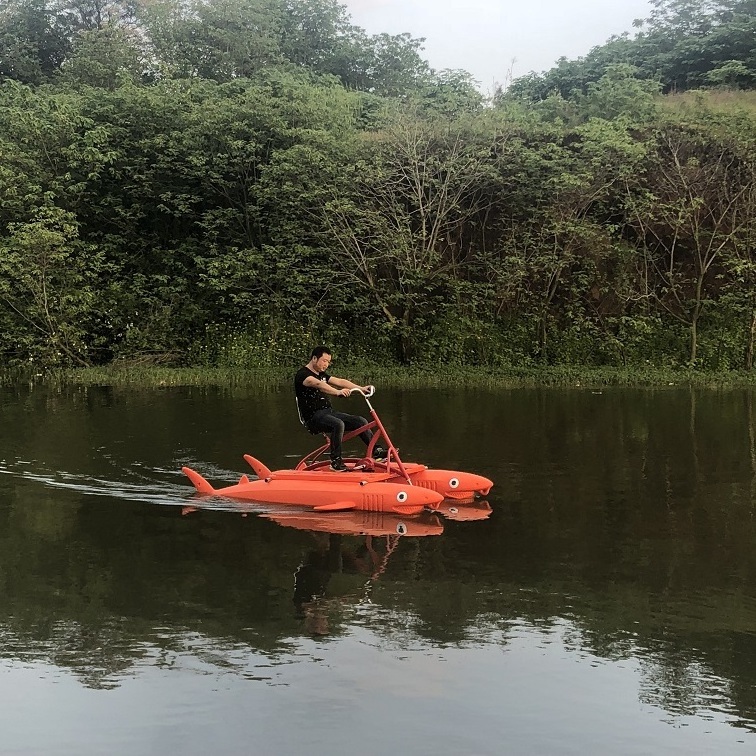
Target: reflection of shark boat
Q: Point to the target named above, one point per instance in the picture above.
(464, 512)
(359, 523)
(370, 485)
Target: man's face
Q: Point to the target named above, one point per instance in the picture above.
(322, 363)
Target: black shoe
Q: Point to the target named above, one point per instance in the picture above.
(337, 465)
(380, 453)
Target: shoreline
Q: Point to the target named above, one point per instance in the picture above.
(393, 376)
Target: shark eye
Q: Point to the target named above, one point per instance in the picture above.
(401, 496)
(454, 483)
(401, 528)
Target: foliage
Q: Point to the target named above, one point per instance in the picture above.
(433, 375)
(45, 283)
(684, 44)
(34, 41)
(226, 182)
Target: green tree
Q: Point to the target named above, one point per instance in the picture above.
(619, 93)
(48, 283)
(219, 39)
(317, 35)
(560, 250)
(105, 58)
(681, 44)
(690, 214)
(34, 41)
(400, 224)
(448, 93)
(96, 15)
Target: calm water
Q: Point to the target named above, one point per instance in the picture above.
(606, 605)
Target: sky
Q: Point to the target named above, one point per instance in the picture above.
(497, 40)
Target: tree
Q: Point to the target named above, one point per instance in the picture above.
(219, 39)
(401, 223)
(107, 58)
(34, 41)
(96, 15)
(559, 252)
(739, 283)
(449, 93)
(620, 93)
(315, 34)
(690, 217)
(681, 44)
(48, 282)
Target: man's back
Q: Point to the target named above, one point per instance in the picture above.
(309, 398)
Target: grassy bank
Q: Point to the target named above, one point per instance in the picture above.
(435, 376)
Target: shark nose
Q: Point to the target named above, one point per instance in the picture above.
(430, 498)
(483, 485)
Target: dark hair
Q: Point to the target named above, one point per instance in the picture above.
(319, 351)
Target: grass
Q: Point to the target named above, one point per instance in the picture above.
(397, 376)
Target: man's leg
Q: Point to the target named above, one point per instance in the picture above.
(326, 421)
(352, 422)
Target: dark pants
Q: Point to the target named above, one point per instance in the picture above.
(335, 424)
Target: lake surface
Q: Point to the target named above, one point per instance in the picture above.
(605, 603)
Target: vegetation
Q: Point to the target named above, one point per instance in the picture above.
(390, 375)
(222, 184)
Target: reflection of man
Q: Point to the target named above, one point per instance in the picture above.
(312, 386)
(312, 576)
(330, 556)
(310, 582)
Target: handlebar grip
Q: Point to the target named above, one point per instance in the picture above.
(369, 392)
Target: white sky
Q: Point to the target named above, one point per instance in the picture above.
(484, 36)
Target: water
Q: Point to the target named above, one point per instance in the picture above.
(605, 603)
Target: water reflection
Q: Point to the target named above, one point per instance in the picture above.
(375, 537)
(331, 556)
(613, 563)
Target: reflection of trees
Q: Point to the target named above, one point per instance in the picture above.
(604, 534)
(630, 513)
(97, 654)
(681, 687)
(751, 445)
(89, 597)
(92, 600)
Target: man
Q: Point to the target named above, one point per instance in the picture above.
(313, 386)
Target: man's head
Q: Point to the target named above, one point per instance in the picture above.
(320, 358)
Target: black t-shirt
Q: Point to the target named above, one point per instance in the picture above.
(309, 400)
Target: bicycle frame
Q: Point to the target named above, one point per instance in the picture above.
(393, 462)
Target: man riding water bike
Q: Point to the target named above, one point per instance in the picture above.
(313, 386)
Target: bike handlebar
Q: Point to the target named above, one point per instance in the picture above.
(368, 393)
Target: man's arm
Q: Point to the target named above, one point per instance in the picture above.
(331, 387)
(345, 384)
